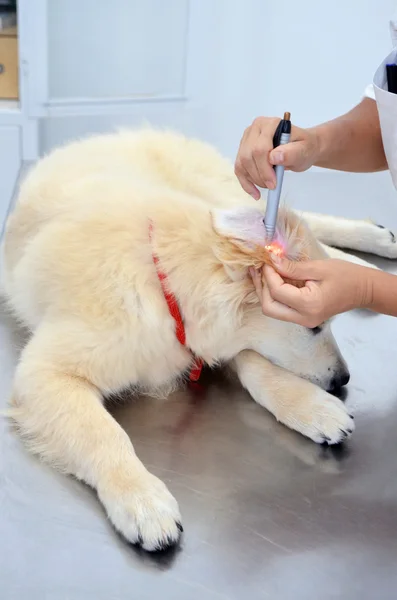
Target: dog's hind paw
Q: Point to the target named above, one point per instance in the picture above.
(378, 240)
(143, 511)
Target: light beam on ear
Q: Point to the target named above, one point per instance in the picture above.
(277, 246)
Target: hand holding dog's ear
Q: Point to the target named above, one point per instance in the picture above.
(331, 287)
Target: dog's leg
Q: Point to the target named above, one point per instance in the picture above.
(60, 415)
(355, 235)
(295, 402)
(339, 254)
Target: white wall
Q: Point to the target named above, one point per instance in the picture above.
(10, 163)
(329, 51)
(250, 57)
(310, 57)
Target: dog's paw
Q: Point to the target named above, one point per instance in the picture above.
(379, 240)
(143, 511)
(328, 421)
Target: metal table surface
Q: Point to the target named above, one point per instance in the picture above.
(267, 513)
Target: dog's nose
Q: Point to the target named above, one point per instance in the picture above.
(344, 380)
(339, 380)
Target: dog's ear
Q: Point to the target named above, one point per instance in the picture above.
(242, 224)
(241, 240)
(242, 244)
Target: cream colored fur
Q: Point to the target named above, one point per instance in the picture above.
(78, 272)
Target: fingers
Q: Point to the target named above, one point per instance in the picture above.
(285, 302)
(246, 182)
(270, 306)
(261, 144)
(303, 271)
(300, 153)
(305, 305)
(283, 292)
(292, 155)
(252, 165)
(275, 288)
(256, 149)
(277, 310)
(245, 178)
(256, 156)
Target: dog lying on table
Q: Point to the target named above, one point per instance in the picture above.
(127, 257)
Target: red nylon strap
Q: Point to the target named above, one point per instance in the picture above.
(197, 366)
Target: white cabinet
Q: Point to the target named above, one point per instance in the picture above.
(98, 57)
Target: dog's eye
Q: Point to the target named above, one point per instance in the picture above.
(316, 330)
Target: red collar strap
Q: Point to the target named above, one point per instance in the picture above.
(197, 366)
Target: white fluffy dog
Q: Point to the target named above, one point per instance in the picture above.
(109, 236)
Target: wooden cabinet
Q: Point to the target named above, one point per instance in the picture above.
(9, 64)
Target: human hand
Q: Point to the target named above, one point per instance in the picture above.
(256, 156)
(331, 287)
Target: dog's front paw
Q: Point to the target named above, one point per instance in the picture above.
(328, 421)
(143, 511)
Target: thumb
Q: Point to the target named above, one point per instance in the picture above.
(289, 155)
(293, 270)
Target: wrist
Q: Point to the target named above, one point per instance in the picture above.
(381, 292)
(366, 288)
(319, 143)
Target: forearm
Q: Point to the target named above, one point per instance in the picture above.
(352, 142)
(383, 293)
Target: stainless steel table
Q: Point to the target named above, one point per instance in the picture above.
(267, 514)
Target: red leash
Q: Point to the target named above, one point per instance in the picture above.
(197, 366)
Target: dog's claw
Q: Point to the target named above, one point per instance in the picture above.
(325, 440)
(164, 545)
(392, 236)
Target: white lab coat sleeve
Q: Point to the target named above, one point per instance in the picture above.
(369, 92)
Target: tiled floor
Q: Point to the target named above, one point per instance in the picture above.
(267, 514)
